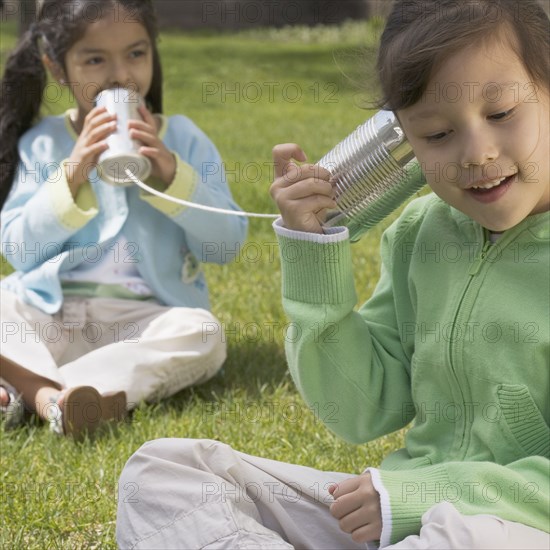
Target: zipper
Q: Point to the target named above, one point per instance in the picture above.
(465, 305)
(453, 346)
(478, 262)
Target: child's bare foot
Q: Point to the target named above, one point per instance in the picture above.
(46, 398)
(4, 397)
(72, 411)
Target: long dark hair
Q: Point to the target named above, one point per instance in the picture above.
(421, 34)
(59, 24)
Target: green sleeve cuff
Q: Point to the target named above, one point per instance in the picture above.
(407, 497)
(72, 213)
(514, 492)
(316, 272)
(182, 187)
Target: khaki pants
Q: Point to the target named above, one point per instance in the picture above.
(184, 493)
(145, 349)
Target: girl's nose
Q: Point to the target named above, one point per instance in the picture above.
(120, 76)
(479, 148)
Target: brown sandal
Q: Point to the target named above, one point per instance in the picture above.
(84, 409)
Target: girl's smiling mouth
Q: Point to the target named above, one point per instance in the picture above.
(490, 191)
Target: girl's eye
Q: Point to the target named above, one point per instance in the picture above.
(505, 115)
(437, 137)
(94, 61)
(137, 53)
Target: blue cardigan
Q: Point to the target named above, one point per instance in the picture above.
(45, 232)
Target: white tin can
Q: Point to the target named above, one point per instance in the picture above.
(122, 153)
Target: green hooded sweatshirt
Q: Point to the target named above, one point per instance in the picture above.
(455, 339)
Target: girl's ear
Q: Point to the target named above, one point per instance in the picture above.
(55, 69)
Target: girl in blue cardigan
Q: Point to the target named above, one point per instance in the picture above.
(108, 304)
(455, 338)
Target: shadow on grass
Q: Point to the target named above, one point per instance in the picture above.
(250, 370)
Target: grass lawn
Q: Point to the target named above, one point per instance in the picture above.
(248, 91)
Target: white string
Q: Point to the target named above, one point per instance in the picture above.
(144, 186)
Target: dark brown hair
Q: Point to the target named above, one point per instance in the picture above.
(59, 24)
(421, 34)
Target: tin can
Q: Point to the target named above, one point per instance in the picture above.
(375, 171)
(122, 153)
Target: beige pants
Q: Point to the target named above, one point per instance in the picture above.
(184, 493)
(145, 349)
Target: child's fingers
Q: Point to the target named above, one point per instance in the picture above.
(145, 136)
(295, 173)
(364, 523)
(314, 204)
(151, 152)
(305, 188)
(291, 200)
(147, 116)
(97, 116)
(94, 150)
(343, 506)
(94, 112)
(96, 128)
(346, 486)
(352, 522)
(283, 154)
(143, 126)
(99, 132)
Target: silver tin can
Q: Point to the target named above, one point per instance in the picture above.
(375, 171)
(122, 153)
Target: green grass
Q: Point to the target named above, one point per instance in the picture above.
(58, 494)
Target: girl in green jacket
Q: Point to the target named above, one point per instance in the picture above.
(455, 338)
